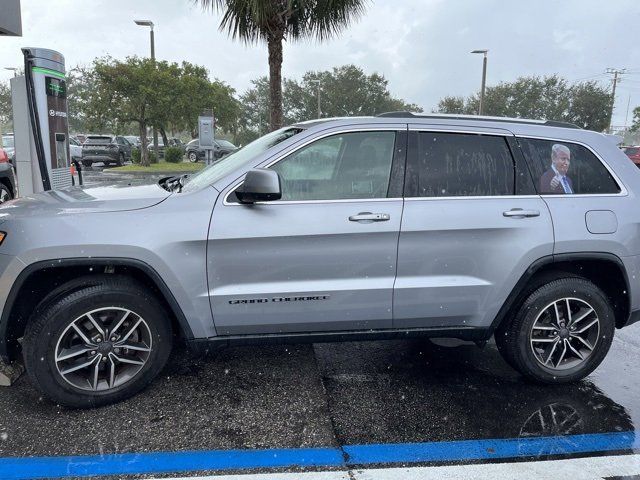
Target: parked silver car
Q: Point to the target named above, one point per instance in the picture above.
(394, 226)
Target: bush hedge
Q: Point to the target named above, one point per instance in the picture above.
(173, 155)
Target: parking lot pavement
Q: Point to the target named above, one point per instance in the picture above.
(343, 407)
(333, 405)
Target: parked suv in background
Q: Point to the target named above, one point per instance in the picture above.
(107, 149)
(220, 149)
(394, 226)
(633, 153)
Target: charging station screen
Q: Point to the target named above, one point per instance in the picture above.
(56, 87)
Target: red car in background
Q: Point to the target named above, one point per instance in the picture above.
(633, 153)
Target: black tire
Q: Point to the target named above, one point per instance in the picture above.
(513, 337)
(56, 313)
(192, 156)
(120, 161)
(5, 193)
(86, 163)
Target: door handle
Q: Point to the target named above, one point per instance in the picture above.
(368, 217)
(520, 213)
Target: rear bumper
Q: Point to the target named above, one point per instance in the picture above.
(100, 158)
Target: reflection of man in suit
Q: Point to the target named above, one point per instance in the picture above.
(555, 180)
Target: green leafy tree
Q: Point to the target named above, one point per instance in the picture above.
(635, 126)
(586, 104)
(590, 106)
(344, 91)
(126, 92)
(452, 105)
(274, 21)
(347, 91)
(6, 110)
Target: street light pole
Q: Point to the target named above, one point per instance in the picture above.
(484, 79)
(149, 23)
(14, 69)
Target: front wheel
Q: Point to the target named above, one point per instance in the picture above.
(5, 193)
(120, 161)
(561, 333)
(97, 345)
(193, 157)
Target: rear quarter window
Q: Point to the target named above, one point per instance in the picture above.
(564, 168)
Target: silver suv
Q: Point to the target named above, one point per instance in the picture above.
(362, 228)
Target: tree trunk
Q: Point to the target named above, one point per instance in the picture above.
(165, 139)
(275, 80)
(144, 152)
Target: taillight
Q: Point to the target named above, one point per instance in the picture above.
(4, 158)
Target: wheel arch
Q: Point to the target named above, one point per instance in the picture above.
(27, 292)
(605, 270)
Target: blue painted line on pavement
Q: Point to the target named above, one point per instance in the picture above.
(23, 468)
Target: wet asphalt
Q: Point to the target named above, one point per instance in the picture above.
(329, 394)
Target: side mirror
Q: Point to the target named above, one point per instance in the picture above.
(260, 185)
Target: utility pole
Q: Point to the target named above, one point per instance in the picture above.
(616, 73)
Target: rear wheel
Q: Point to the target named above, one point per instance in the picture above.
(86, 163)
(97, 345)
(193, 157)
(561, 333)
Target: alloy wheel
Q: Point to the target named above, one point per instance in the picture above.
(565, 334)
(103, 349)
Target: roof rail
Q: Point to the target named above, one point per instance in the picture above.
(550, 123)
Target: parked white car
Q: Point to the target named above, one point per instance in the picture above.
(75, 148)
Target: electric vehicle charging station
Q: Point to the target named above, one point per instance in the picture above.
(206, 125)
(41, 130)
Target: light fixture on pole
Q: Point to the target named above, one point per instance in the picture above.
(484, 78)
(149, 23)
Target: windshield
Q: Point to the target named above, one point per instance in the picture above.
(96, 139)
(218, 170)
(224, 143)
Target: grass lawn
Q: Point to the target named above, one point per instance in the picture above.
(160, 167)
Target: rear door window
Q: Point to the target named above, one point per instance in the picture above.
(460, 165)
(564, 168)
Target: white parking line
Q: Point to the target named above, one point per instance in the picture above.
(592, 468)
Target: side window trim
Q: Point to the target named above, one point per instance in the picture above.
(399, 129)
(623, 189)
(410, 190)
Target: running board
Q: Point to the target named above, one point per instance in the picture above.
(204, 345)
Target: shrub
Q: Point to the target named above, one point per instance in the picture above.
(135, 155)
(173, 155)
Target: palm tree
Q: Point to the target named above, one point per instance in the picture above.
(274, 21)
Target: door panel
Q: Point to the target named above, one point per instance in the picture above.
(324, 257)
(459, 256)
(302, 267)
(458, 259)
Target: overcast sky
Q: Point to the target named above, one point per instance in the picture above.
(421, 46)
